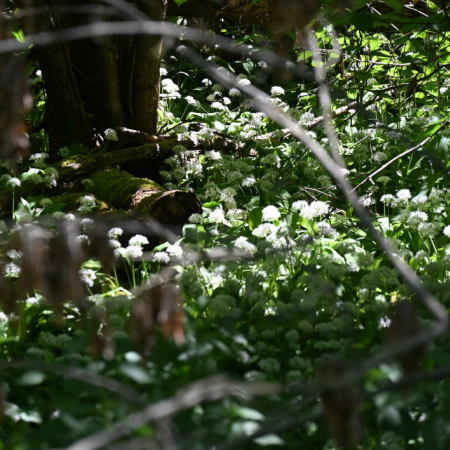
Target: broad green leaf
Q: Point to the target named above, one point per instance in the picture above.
(136, 373)
(254, 218)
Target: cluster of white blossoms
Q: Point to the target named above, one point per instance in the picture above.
(83, 239)
(87, 204)
(172, 251)
(264, 230)
(88, 276)
(170, 88)
(193, 102)
(416, 218)
(270, 214)
(315, 209)
(243, 244)
(277, 90)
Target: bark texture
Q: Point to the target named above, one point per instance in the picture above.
(145, 93)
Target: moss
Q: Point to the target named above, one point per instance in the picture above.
(73, 201)
(118, 187)
(80, 159)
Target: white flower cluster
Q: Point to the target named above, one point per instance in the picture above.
(315, 209)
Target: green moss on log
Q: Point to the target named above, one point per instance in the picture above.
(118, 188)
(73, 202)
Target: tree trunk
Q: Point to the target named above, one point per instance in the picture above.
(145, 93)
(67, 121)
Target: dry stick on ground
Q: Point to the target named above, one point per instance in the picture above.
(407, 152)
(210, 389)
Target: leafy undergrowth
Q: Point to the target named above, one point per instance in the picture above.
(302, 281)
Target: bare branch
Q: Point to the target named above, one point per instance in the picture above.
(407, 152)
(209, 389)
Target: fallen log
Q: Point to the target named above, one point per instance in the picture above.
(143, 197)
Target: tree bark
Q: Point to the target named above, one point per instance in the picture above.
(67, 121)
(146, 80)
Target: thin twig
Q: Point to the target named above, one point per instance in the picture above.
(209, 389)
(407, 152)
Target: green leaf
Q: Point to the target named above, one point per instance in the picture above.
(31, 378)
(395, 4)
(269, 439)
(254, 218)
(136, 373)
(180, 2)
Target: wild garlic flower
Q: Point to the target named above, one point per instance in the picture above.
(428, 229)
(277, 90)
(111, 134)
(161, 257)
(162, 71)
(193, 102)
(270, 213)
(169, 86)
(87, 203)
(244, 82)
(446, 231)
(83, 239)
(419, 200)
(14, 255)
(404, 195)
(114, 243)
(174, 250)
(249, 181)
(12, 270)
(196, 218)
(214, 155)
(388, 199)
(13, 182)
(227, 195)
(366, 200)
(289, 64)
(416, 218)
(242, 243)
(70, 216)
(218, 216)
(234, 92)
(181, 49)
(133, 251)
(325, 229)
(38, 156)
(226, 101)
(115, 232)
(218, 105)
(207, 82)
(264, 230)
(87, 224)
(88, 276)
(138, 240)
